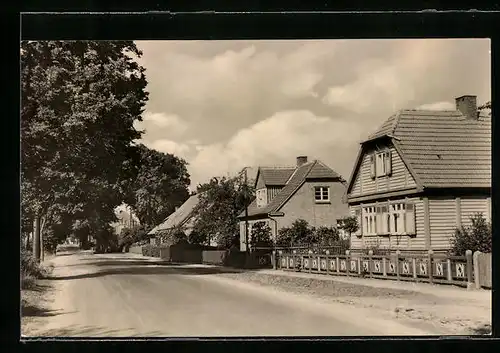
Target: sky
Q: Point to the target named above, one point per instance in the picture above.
(224, 105)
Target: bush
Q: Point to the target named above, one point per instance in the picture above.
(151, 250)
(30, 270)
(327, 236)
(260, 236)
(349, 225)
(477, 237)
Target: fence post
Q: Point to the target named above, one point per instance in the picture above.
(475, 263)
(327, 262)
(384, 268)
(370, 260)
(273, 259)
(338, 264)
(310, 260)
(398, 252)
(429, 265)
(347, 261)
(414, 263)
(448, 270)
(319, 263)
(295, 259)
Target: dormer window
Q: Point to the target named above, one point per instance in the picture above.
(261, 195)
(322, 194)
(380, 164)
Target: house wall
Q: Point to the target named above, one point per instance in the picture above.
(448, 213)
(302, 205)
(260, 182)
(414, 242)
(445, 215)
(399, 179)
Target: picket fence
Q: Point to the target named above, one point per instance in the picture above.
(427, 267)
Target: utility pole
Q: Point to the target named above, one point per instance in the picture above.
(246, 212)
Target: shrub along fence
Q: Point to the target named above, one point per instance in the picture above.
(430, 267)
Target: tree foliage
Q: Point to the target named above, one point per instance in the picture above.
(349, 224)
(477, 237)
(327, 236)
(172, 236)
(79, 101)
(161, 185)
(220, 202)
(260, 235)
(302, 234)
(131, 235)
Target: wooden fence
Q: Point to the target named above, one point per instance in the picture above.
(482, 270)
(430, 267)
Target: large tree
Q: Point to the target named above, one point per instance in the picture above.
(161, 185)
(80, 100)
(220, 202)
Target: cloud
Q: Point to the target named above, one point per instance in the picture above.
(437, 106)
(167, 146)
(171, 124)
(277, 140)
(414, 71)
(226, 104)
(237, 86)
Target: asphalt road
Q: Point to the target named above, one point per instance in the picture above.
(127, 295)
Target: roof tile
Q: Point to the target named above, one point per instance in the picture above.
(443, 147)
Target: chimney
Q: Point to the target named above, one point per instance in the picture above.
(467, 105)
(176, 208)
(301, 160)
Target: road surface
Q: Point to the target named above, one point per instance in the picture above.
(117, 295)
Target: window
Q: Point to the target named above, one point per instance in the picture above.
(381, 164)
(322, 193)
(369, 221)
(261, 197)
(387, 219)
(397, 218)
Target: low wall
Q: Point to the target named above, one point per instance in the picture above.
(135, 250)
(214, 257)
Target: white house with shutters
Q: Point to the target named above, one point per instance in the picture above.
(421, 175)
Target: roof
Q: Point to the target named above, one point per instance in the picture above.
(275, 176)
(441, 148)
(179, 217)
(311, 170)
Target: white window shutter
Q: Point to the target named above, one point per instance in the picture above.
(410, 218)
(358, 216)
(372, 166)
(388, 162)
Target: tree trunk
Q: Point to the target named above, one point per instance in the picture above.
(36, 238)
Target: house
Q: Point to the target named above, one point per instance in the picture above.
(421, 175)
(311, 191)
(183, 217)
(126, 219)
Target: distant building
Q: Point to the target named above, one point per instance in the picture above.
(126, 219)
(310, 190)
(183, 217)
(421, 175)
